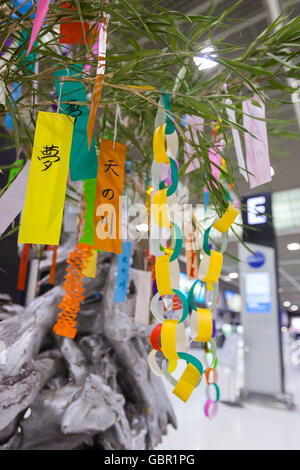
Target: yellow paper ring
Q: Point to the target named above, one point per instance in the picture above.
(159, 148)
(211, 266)
(162, 274)
(172, 338)
(160, 210)
(187, 382)
(201, 325)
(227, 219)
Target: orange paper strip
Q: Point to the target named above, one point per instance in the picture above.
(108, 200)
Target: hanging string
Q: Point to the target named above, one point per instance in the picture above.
(118, 116)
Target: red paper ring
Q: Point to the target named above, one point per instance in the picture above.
(210, 408)
(155, 336)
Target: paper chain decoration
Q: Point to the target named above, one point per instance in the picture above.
(169, 336)
(73, 286)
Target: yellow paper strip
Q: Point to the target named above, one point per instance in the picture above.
(227, 219)
(91, 268)
(187, 382)
(47, 181)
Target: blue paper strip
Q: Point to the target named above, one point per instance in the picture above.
(123, 272)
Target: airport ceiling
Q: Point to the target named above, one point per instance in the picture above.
(285, 158)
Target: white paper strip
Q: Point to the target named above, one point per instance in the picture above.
(142, 306)
(13, 200)
(237, 141)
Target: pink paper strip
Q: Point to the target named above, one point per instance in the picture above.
(196, 123)
(257, 149)
(216, 158)
(41, 13)
(13, 200)
(169, 178)
(94, 50)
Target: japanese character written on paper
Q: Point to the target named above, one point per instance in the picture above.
(49, 155)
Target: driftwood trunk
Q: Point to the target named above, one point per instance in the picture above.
(94, 392)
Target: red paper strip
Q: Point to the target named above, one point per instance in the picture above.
(72, 32)
(23, 267)
(53, 266)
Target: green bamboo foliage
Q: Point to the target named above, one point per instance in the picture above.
(151, 45)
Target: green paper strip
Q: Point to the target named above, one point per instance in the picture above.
(191, 360)
(170, 127)
(191, 294)
(185, 305)
(14, 171)
(174, 177)
(83, 162)
(89, 189)
(216, 389)
(205, 241)
(178, 244)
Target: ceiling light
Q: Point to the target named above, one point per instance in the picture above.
(293, 246)
(294, 308)
(233, 275)
(286, 303)
(205, 63)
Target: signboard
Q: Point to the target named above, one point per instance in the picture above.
(258, 292)
(257, 219)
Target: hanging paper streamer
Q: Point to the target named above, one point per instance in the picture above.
(236, 141)
(170, 337)
(211, 375)
(23, 267)
(2, 93)
(83, 162)
(53, 266)
(190, 253)
(13, 200)
(91, 268)
(99, 77)
(89, 190)
(257, 148)
(15, 171)
(41, 13)
(123, 272)
(16, 93)
(43, 210)
(73, 286)
(27, 60)
(94, 49)
(72, 32)
(194, 124)
(144, 287)
(108, 201)
(215, 160)
(22, 8)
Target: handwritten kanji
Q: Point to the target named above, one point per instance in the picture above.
(50, 155)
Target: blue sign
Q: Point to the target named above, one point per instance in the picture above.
(257, 260)
(258, 292)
